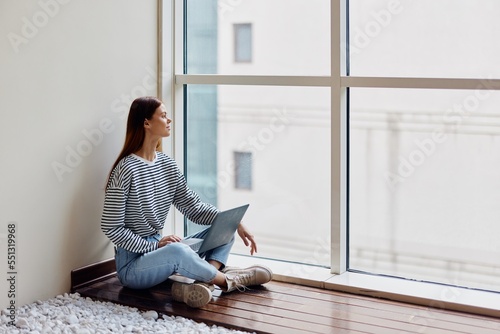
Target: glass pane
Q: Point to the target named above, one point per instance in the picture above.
(285, 131)
(425, 38)
(424, 185)
(288, 37)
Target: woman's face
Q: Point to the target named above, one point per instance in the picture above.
(159, 124)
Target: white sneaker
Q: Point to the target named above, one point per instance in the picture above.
(239, 279)
(193, 294)
(226, 269)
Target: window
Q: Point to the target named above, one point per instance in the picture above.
(261, 137)
(416, 39)
(243, 170)
(263, 32)
(243, 42)
(386, 157)
(255, 128)
(422, 185)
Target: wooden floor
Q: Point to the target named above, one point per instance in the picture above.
(287, 308)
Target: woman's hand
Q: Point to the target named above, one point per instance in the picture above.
(247, 238)
(168, 240)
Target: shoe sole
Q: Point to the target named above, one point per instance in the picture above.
(208, 285)
(194, 295)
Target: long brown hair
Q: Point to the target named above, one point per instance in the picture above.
(142, 108)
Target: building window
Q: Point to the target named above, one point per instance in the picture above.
(243, 170)
(243, 42)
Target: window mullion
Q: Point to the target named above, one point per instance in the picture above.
(177, 93)
(338, 140)
(423, 83)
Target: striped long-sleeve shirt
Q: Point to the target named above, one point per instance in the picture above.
(138, 198)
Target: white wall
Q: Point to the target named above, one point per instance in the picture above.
(75, 62)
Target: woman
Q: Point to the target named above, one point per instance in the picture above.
(142, 186)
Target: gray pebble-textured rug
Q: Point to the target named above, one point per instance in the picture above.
(71, 313)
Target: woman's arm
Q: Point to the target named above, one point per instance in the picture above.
(190, 204)
(113, 224)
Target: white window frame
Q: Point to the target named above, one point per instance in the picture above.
(171, 90)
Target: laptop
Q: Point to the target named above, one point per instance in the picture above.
(220, 232)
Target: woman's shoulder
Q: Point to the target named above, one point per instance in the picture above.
(127, 163)
(165, 159)
(122, 170)
(168, 166)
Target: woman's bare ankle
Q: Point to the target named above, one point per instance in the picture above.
(220, 280)
(216, 264)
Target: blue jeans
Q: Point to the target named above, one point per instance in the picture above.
(142, 271)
